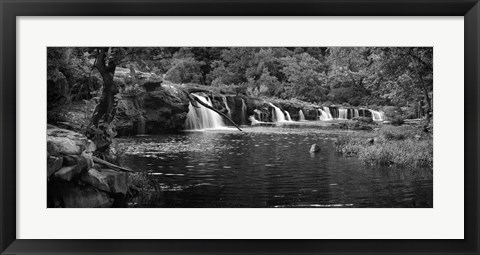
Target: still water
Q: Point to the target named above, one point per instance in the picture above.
(268, 167)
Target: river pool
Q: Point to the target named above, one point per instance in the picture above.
(268, 167)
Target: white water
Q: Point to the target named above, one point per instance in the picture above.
(302, 117)
(288, 116)
(342, 114)
(244, 112)
(324, 115)
(253, 120)
(356, 114)
(377, 116)
(259, 113)
(327, 111)
(229, 112)
(203, 118)
(279, 117)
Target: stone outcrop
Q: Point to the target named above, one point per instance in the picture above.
(166, 109)
(73, 179)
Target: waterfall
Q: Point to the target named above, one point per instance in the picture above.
(377, 116)
(302, 117)
(229, 112)
(327, 112)
(203, 118)
(244, 113)
(288, 116)
(279, 117)
(342, 114)
(324, 115)
(253, 120)
(356, 114)
(141, 125)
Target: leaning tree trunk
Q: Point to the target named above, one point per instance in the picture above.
(99, 129)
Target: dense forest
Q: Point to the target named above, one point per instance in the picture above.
(353, 76)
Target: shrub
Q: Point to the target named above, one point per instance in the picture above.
(403, 146)
(365, 120)
(397, 121)
(353, 126)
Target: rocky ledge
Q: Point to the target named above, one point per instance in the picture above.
(74, 180)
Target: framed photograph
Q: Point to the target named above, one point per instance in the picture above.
(239, 127)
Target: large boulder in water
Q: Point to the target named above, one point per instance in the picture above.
(166, 109)
(314, 148)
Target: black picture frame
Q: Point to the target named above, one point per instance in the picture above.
(9, 10)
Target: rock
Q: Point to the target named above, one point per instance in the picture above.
(67, 173)
(117, 181)
(84, 159)
(166, 109)
(70, 160)
(371, 141)
(315, 148)
(85, 197)
(90, 147)
(53, 164)
(65, 142)
(89, 158)
(96, 179)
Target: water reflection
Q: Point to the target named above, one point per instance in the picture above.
(269, 167)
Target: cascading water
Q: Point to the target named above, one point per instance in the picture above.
(302, 117)
(327, 112)
(376, 115)
(288, 116)
(279, 116)
(324, 115)
(342, 114)
(203, 118)
(253, 120)
(229, 112)
(244, 112)
(355, 113)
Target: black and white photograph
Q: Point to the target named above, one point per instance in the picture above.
(239, 127)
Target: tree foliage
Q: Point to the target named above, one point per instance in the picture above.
(400, 76)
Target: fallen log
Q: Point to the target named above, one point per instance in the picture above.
(110, 165)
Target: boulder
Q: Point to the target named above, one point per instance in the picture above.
(53, 164)
(70, 160)
(96, 179)
(65, 142)
(85, 197)
(117, 181)
(315, 148)
(67, 173)
(166, 109)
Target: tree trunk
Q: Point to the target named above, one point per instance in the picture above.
(105, 110)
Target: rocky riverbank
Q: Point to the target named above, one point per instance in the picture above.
(74, 179)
